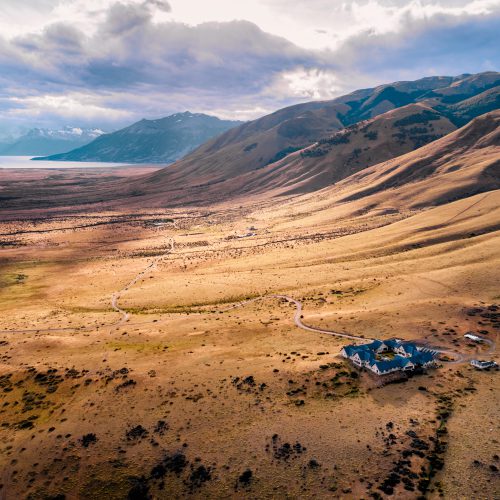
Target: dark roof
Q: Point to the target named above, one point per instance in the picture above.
(373, 345)
(353, 349)
(366, 355)
(422, 357)
(367, 352)
(392, 343)
(410, 349)
(350, 350)
(390, 364)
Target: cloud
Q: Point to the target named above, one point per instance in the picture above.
(123, 18)
(129, 50)
(71, 106)
(135, 67)
(162, 5)
(136, 60)
(306, 83)
(440, 44)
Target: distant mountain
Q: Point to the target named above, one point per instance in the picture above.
(317, 146)
(293, 150)
(40, 141)
(151, 141)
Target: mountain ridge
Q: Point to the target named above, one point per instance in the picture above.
(162, 140)
(230, 164)
(280, 155)
(38, 141)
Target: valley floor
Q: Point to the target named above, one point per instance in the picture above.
(179, 386)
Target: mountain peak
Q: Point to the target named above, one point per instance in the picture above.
(313, 145)
(161, 140)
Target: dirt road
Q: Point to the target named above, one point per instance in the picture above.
(124, 316)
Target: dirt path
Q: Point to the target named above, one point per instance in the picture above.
(116, 295)
(298, 321)
(124, 316)
(458, 357)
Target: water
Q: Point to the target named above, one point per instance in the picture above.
(25, 162)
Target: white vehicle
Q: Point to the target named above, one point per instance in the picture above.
(483, 365)
(473, 337)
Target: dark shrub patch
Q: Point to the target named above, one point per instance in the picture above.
(125, 384)
(158, 471)
(248, 148)
(246, 477)
(199, 476)
(137, 432)
(175, 463)
(161, 427)
(88, 439)
(139, 490)
(371, 135)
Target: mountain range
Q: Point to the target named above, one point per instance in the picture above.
(311, 146)
(44, 141)
(437, 136)
(151, 141)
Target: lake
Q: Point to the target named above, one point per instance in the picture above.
(25, 162)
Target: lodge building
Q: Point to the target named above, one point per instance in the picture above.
(383, 357)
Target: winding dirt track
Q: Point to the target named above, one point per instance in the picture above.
(116, 296)
(458, 357)
(298, 321)
(114, 302)
(124, 316)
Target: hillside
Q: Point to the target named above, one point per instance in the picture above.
(151, 141)
(40, 141)
(465, 110)
(458, 165)
(255, 144)
(296, 150)
(314, 167)
(463, 164)
(353, 149)
(250, 149)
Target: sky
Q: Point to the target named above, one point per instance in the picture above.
(108, 63)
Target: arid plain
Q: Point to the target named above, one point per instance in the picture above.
(143, 352)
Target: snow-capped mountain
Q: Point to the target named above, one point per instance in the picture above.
(151, 141)
(42, 141)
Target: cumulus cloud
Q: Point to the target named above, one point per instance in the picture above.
(440, 44)
(162, 5)
(137, 60)
(128, 50)
(306, 83)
